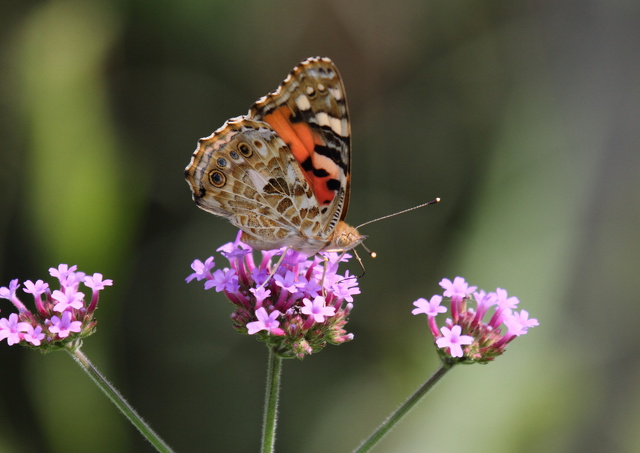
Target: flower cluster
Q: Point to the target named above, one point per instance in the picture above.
(466, 337)
(295, 309)
(62, 317)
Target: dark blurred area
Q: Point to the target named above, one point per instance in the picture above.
(524, 117)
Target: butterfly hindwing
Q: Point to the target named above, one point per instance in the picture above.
(245, 172)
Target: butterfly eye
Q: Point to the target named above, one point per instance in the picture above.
(343, 241)
(245, 150)
(217, 178)
(222, 162)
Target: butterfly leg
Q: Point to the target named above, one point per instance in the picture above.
(326, 264)
(361, 266)
(275, 268)
(324, 273)
(361, 263)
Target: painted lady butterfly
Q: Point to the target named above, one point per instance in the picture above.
(281, 173)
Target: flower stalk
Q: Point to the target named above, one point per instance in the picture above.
(272, 395)
(403, 410)
(62, 319)
(465, 338)
(116, 398)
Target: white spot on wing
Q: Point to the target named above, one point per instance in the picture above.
(262, 150)
(303, 102)
(337, 125)
(336, 93)
(323, 119)
(257, 179)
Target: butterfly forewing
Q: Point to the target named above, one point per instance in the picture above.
(309, 112)
(282, 172)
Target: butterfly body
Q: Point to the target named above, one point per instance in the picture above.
(281, 173)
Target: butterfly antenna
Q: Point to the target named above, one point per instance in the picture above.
(371, 254)
(437, 200)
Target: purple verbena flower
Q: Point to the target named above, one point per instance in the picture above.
(316, 309)
(10, 329)
(62, 271)
(260, 294)
(38, 288)
(289, 282)
(61, 317)
(63, 326)
(223, 280)
(347, 287)
(452, 339)
(295, 309)
(31, 335)
(466, 337)
(201, 270)
(431, 308)
(10, 292)
(457, 288)
(67, 300)
(96, 283)
(266, 321)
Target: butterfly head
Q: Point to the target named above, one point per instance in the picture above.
(345, 237)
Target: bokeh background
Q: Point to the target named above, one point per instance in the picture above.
(524, 117)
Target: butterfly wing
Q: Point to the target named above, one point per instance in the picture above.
(245, 172)
(309, 112)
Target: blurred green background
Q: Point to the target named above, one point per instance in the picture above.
(524, 117)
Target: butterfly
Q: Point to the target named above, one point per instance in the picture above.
(282, 172)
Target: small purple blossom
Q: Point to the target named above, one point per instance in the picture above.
(289, 282)
(67, 300)
(346, 288)
(317, 309)
(10, 329)
(452, 339)
(483, 340)
(64, 326)
(96, 283)
(430, 307)
(296, 308)
(10, 292)
(311, 287)
(62, 271)
(72, 280)
(61, 312)
(266, 322)
(259, 276)
(260, 294)
(38, 288)
(201, 270)
(32, 335)
(518, 323)
(456, 289)
(223, 280)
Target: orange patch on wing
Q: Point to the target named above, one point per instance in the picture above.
(297, 136)
(302, 141)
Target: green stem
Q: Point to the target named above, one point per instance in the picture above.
(118, 400)
(395, 417)
(271, 403)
